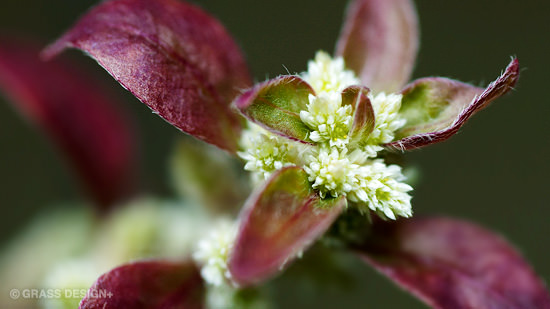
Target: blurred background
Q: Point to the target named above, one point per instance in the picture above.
(494, 172)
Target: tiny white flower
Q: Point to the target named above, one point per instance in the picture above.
(212, 252)
(265, 152)
(387, 120)
(331, 172)
(325, 74)
(370, 184)
(329, 120)
(381, 189)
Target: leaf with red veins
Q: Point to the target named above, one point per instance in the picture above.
(435, 108)
(77, 114)
(379, 41)
(172, 56)
(278, 222)
(276, 105)
(148, 284)
(363, 113)
(448, 263)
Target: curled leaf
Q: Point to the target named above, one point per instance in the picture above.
(173, 57)
(436, 108)
(276, 105)
(149, 284)
(449, 263)
(279, 221)
(77, 115)
(363, 113)
(379, 41)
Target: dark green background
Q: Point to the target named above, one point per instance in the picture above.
(495, 171)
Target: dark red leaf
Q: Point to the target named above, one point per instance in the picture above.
(77, 114)
(173, 57)
(147, 285)
(449, 263)
(447, 105)
(279, 221)
(379, 42)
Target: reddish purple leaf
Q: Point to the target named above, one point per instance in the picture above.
(276, 105)
(436, 108)
(449, 263)
(147, 285)
(363, 113)
(87, 125)
(173, 57)
(279, 221)
(379, 41)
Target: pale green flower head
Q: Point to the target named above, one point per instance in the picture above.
(212, 252)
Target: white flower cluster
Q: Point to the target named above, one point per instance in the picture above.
(264, 152)
(371, 184)
(329, 120)
(212, 253)
(325, 74)
(334, 166)
(386, 108)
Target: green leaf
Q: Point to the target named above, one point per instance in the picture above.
(431, 104)
(276, 105)
(435, 108)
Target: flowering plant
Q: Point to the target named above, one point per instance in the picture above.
(319, 148)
